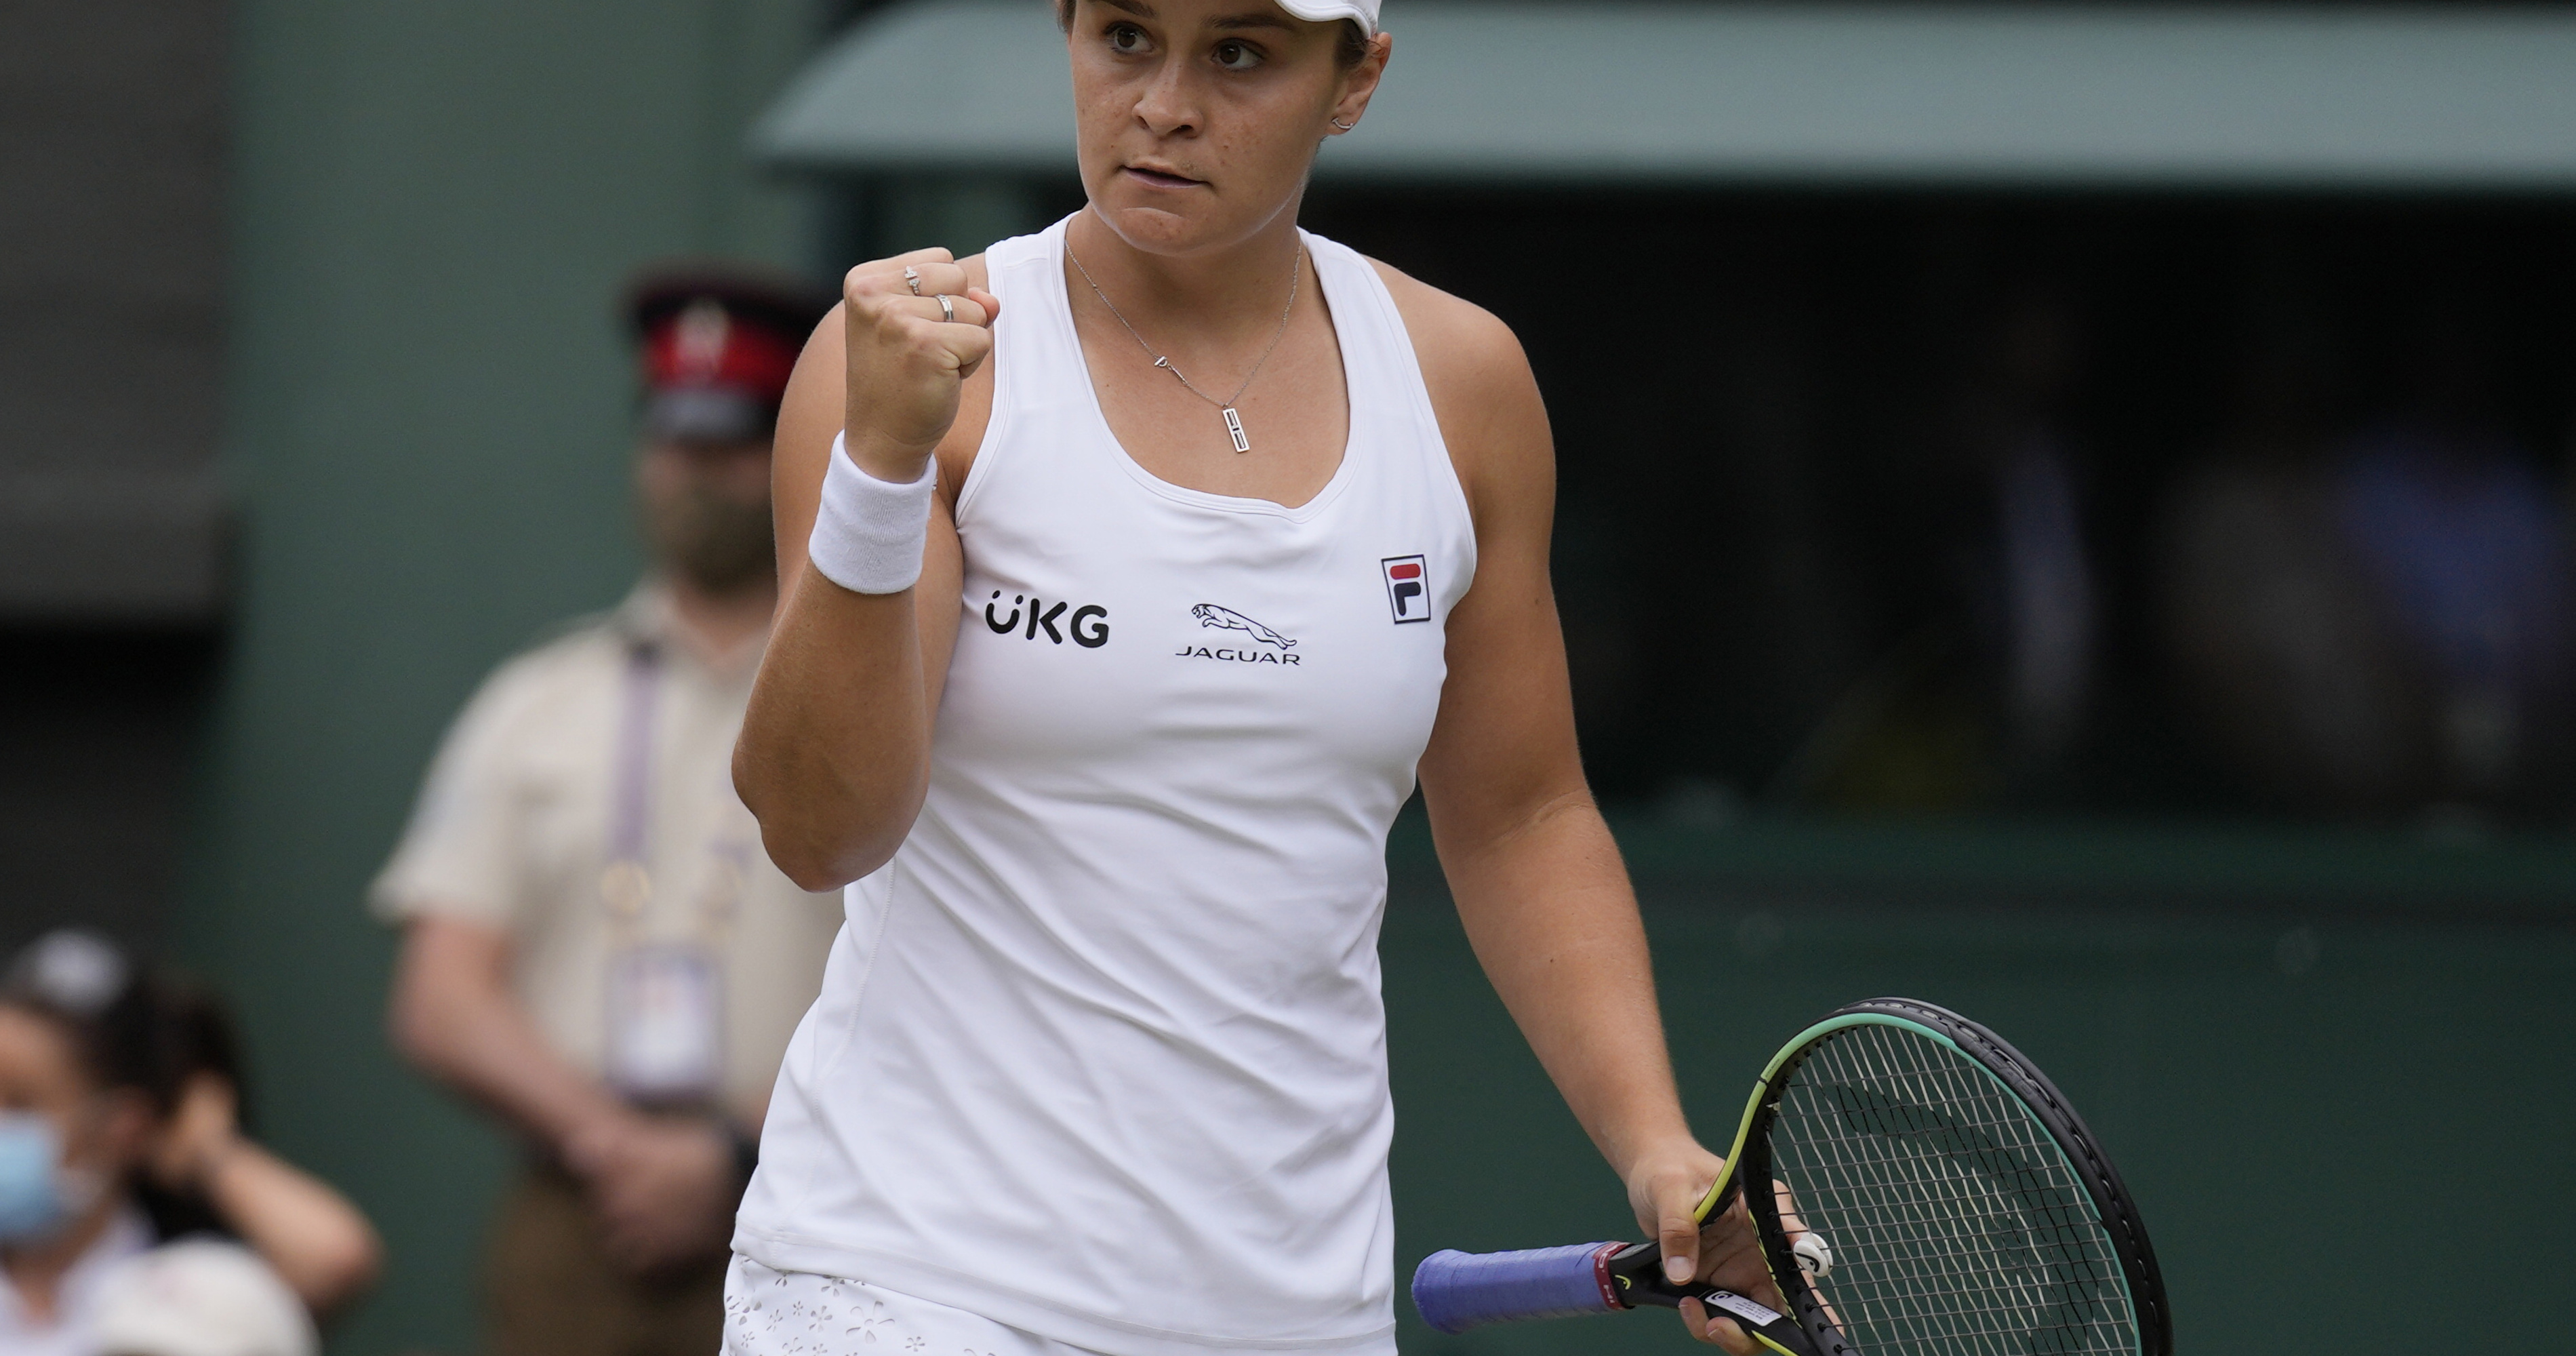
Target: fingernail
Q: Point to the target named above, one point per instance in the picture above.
(1677, 1270)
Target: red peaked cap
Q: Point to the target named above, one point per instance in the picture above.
(715, 346)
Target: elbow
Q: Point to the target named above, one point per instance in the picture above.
(340, 1271)
(818, 863)
(417, 1030)
(824, 836)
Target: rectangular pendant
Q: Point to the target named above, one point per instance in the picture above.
(1234, 425)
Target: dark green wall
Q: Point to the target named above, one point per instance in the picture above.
(428, 423)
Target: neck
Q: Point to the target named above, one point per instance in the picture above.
(719, 626)
(1219, 293)
(36, 1269)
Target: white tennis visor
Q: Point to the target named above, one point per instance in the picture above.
(1320, 11)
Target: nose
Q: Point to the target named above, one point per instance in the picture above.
(1168, 105)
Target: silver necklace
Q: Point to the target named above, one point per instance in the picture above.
(1233, 421)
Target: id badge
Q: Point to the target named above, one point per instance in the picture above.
(665, 1024)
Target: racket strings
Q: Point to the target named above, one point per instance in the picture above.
(1939, 1223)
(1947, 1222)
(1957, 1224)
(1947, 1203)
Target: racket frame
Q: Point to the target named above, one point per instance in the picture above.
(2141, 1280)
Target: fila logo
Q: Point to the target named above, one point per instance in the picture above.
(1408, 588)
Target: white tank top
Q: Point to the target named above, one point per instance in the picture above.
(1101, 1054)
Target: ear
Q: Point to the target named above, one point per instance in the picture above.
(1359, 83)
(126, 1125)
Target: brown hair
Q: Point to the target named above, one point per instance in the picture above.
(1347, 53)
(129, 1026)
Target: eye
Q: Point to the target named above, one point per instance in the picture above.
(1126, 39)
(1233, 55)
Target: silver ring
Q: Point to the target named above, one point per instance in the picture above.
(1345, 126)
(947, 309)
(912, 279)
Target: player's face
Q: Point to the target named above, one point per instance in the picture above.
(1198, 119)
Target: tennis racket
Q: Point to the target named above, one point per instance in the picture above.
(1930, 1193)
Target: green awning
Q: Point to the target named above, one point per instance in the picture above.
(2112, 96)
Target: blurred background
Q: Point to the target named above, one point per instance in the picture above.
(2065, 513)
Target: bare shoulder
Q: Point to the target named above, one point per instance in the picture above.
(1458, 342)
(1481, 386)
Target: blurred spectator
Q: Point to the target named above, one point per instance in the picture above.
(2273, 630)
(2377, 622)
(104, 1098)
(1988, 694)
(596, 946)
(2468, 558)
(199, 1297)
(2044, 621)
(2467, 549)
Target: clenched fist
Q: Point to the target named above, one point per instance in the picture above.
(909, 356)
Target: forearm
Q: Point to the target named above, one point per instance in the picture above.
(311, 1235)
(502, 1063)
(1549, 911)
(835, 751)
(834, 754)
(455, 1017)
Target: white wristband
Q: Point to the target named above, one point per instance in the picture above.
(869, 535)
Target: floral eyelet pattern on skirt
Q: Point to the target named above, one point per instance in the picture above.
(795, 1313)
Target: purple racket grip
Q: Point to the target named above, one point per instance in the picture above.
(1460, 1290)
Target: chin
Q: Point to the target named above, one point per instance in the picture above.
(1152, 225)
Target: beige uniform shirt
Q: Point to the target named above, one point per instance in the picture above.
(516, 825)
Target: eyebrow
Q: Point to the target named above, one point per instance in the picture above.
(1231, 22)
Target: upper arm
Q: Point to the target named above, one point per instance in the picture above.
(811, 418)
(463, 850)
(1503, 747)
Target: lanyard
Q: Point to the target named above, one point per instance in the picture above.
(625, 886)
(665, 1017)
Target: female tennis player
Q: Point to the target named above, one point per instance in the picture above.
(1141, 566)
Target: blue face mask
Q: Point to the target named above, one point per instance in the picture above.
(37, 1195)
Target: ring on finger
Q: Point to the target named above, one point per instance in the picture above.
(912, 279)
(947, 309)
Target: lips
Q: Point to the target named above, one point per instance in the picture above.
(1162, 178)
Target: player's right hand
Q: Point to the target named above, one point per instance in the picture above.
(907, 363)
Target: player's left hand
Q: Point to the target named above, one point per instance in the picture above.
(1665, 1190)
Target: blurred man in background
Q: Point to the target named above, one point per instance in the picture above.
(596, 948)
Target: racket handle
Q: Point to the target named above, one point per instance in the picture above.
(1458, 1290)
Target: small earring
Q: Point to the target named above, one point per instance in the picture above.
(1345, 126)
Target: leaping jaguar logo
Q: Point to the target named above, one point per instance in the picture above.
(1226, 618)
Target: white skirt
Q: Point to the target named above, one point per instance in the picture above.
(795, 1313)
